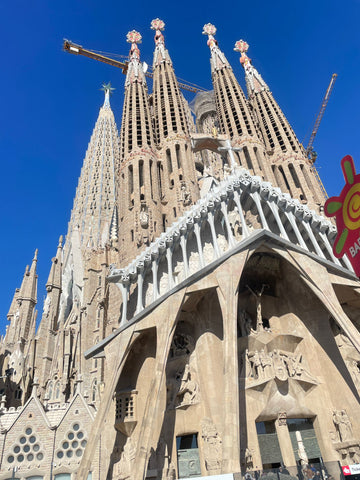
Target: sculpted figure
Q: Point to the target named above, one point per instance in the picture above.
(212, 445)
(245, 323)
(124, 466)
(256, 362)
(343, 425)
(189, 389)
(266, 363)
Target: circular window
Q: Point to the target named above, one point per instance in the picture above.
(78, 452)
(65, 445)
(36, 448)
(76, 427)
(22, 440)
(75, 444)
(26, 448)
(69, 453)
(28, 431)
(80, 435)
(30, 457)
(60, 454)
(16, 449)
(32, 439)
(11, 458)
(40, 456)
(71, 435)
(20, 458)
(83, 443)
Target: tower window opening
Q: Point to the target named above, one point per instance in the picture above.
(168, 159)
(284, 178)
(164, 222)
(178, 158)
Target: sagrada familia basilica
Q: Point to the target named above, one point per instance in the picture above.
(197, 322)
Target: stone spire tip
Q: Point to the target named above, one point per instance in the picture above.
(157, 24)
(108, 89)
(61, 238)
(242, 47)
(209, 29)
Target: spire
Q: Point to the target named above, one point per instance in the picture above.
(22, 308)
(49, 320)
(139, 201)
(254, 81)
(135, 72)
(54, 280)
(160, 53)
(235, 117)
(29, 286)
(292, 171)
(172, 123)
(95, 195)
(218, 59)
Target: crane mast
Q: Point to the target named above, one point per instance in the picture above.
(75, 49)
(309, 149)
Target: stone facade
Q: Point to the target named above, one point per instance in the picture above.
(196, 321)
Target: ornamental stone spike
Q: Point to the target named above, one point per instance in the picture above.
(218, 59)
(254, 81)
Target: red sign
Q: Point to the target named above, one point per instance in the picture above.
(346, 209)
(351, 469)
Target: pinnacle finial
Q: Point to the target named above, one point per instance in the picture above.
(60, 241)
(134, 38)
(108, 89)
(35, 255)
(209, 29)
(158, 25)
(242, 47)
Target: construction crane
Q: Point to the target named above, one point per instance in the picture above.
(75, 49)
(309, 151)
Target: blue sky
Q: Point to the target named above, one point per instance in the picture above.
(50, 99)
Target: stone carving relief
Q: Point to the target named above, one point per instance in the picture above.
(350, 355)
(343, 425)
(350, 455)
(354, 369)
(144, 217)
(261, 365)
(182, 344)
(185, 195)
(282, 419)
(123, 468)
(245, 323)
(248, 458)
(188, 393)
(212, 446)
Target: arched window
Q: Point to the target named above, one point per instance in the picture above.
(18, 393)
(57, 391)
(50, 389)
